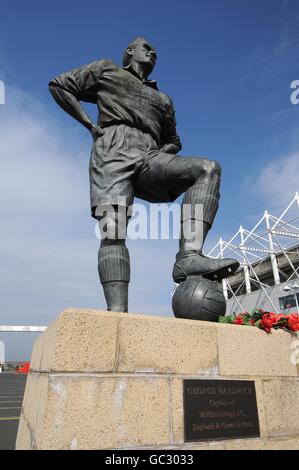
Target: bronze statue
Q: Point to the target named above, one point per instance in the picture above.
(135, 154)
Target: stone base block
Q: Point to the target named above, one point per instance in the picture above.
(105, 380)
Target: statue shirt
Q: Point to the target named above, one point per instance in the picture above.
(123, 97)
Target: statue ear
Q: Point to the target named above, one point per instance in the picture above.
(130, 50)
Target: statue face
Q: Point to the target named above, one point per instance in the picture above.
(143, 53)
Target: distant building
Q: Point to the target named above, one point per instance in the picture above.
(268, 277)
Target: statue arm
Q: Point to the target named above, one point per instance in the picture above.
(171, 148)
(69, 103)
(80, 84)
(170, 141)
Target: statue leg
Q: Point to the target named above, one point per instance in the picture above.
(200, 180)
(113, 259)
(200, 205)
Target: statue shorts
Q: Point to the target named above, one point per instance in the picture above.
(126, 162)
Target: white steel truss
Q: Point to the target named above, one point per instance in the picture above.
(272, 238)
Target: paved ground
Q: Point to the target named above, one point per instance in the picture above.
(12, 388)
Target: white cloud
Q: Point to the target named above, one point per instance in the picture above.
(41, 171)
(46, 255)
(278, 181)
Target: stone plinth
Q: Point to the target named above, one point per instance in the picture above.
(104, 380)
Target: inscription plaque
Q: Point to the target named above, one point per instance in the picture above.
(220, 409)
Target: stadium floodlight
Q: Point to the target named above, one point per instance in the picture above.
(292, 287)
(2, 355)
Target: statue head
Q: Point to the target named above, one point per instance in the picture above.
(142, 52)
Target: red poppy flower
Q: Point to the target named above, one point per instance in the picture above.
(268, 321)
(293, 322)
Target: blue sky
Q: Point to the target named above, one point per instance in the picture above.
(227, 64)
